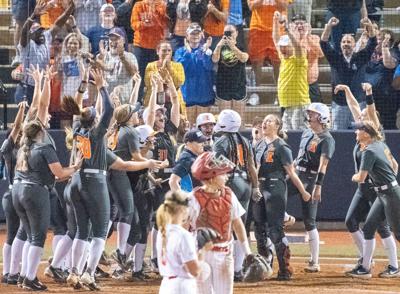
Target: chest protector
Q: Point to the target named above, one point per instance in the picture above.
(215, 212)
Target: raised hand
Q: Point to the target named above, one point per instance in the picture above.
(339, 88)
(41, 8)
(36, 73)
(187, 46)
(333, 22)
(98, 78)
(367, 87)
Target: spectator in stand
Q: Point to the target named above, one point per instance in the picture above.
(379, 73)
(231, 73)
(310, 43)
(100, 32)
(197, 91)
(149, 21)
(21, 9)
(293, 91)
(165, 66)
(349, 13)
(87, 14)
(34, 47)
(124, 14)
(179, 20)
(235, 17)
(119, 66)
(215, 20)
(302, 7)
(348, 68)
(261, 46)
(374, 9)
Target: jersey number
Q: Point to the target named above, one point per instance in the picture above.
(84, 147)
(162, 154)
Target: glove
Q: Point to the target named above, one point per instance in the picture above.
(256, 194)
(205, 235)
(256, 268)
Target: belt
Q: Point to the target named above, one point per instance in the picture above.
(167, 170)
(172, 277)
(32, 183)
(267, 179)
(220, 248)
(303, 169)
(240, 174)
(94, 171)
(386, 187)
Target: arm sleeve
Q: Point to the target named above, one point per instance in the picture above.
(286, 155)
(329, 52)
(368, 159)
(8, 146)
(135, 17)
(237, 208)
(182, 167)
(178, 74)
(328, 147)
(49, 154)
(110, 158)
(133, 141)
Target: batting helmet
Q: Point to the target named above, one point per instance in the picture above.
(228, 121)
(208, 165)
(205, 118)
(322, 110)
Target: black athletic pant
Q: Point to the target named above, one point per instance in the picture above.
(121, 192)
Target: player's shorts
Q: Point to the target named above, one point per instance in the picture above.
(261, 46)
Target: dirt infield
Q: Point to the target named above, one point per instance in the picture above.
(329, 280)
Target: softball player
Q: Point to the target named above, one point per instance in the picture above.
(316, 149)
(205, 122)
(274, 161)
(243, 178)
(36, 168)
(9, 151)
(164, 149)
(376, 163)
(365, 196)
(176, 247)
(125, 144)
(214, 205)
(91, 180)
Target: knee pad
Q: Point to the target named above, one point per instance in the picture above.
(276, 234)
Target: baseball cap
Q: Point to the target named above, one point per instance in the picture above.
(194, 136)
(299, 17)
(109, 7)
(144, 131)
(35, 27)
(146, 112)
(193, 27)
(228, 121)
(116, 31)
(284, 40)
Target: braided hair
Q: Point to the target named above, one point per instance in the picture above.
(233, 153)
(30, 132)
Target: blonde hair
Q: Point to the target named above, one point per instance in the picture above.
(278, 121)
(172, 204)
(30, 131)
(70, 106)
(67, 38)
(371, 129)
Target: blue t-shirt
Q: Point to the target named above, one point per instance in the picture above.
(95, 35)
(235, 16)
(182, 169)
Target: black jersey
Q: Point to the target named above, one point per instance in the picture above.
(9, 153)
(125, 142)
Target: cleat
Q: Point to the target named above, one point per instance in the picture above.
(360, 273)
(129, 265)
(347, 273)
(20, 281)
(58, 275)
(140, 276)
(118, 274)
(73, 279)
(100, 274)
(33, 285)
(146, 267)
(390, 272)
(284, 276)
(119, 258)
(4, 279)
(312, 267)
(238, 276)
(104, 259)
(12, 279)
(289, 222)
(89, 282)
(154, 265)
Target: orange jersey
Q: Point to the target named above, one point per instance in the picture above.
(262, 16)
(49, 18)
(149, 24)
(214, 26)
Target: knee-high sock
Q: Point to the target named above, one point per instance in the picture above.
(63, 246)
(238, 256)
(154, 233)
(95, 252)
(84, 258)
(34, 257)
(16, 255)
(369, 247)
(140, 250)
(54, 243)
(24, 261)
(314, 245)
(123, 234)
(68, 260)
(390, 247)
(358, 238)
(6, 258)
(109, 226)
(78, 248)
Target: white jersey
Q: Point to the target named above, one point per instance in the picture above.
(180, 249)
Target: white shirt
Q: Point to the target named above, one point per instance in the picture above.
(180, 249)
(237, 209)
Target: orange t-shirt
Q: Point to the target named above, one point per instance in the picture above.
(214, 26)
(149, 24)
(262, 16)
(49, 18)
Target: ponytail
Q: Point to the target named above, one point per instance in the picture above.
(30, 132)
(70, 106)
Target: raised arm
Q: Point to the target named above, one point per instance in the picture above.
(371, 109)
(328, 29)
(135, 91)
(221, 15)
(351, 101)
(298, 50)
(388, 60)
(254, 4)
(19, 119)
(275, 29)
(156, 83)
(37, 74)
(62, 19)
(175, 113)
(107, 106)
(40, 8)
(45, 97)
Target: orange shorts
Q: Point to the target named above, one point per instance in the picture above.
(261, 46)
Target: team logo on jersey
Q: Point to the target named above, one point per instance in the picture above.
(162, 154)
(313, 146)
(84, 146)
(240, 155)
(269, 156)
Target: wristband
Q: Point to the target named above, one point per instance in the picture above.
(320, 179)
(370, 99)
